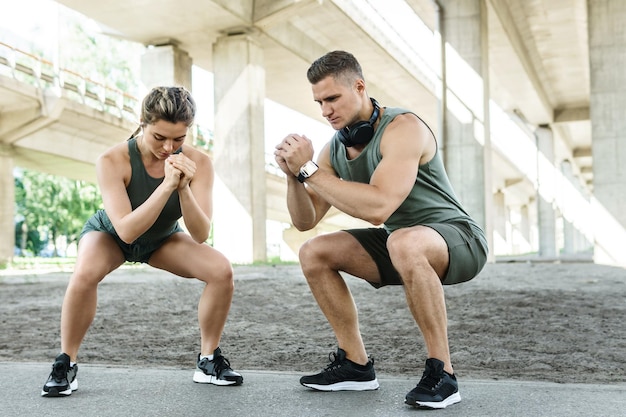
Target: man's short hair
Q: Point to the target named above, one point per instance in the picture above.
(340, 65)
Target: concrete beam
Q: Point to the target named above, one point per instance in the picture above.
(582, 153)
(244, 9)
(294, 40)
(269, 12)
(508, 24)
(509, 182)
(579, 114)
(25, 123)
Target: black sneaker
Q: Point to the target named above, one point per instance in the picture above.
(343, 375)
(62, 380)
(436, 389)
(217, 371)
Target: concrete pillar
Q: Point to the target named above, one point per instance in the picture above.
(575, 240)
(239, 151)
(166, 64)
(607, 42)
(569, 238)
(500, 245)
(524, 226)
(465, 30)
(546, 215)
(7, 206)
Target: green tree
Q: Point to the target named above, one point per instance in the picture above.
(87, 51)
(46, 206)
(52, 206)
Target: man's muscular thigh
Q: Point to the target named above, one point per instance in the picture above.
(339, 251)
(418, 244)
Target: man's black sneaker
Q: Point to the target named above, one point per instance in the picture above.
(216, 371)
(343, 375)
(62, 380)
(436, 389)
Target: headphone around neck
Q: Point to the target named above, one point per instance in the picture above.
(361, 132)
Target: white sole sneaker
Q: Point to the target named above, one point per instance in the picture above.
(54, 393)
(453, 399)
(346, 386)
(202, 378)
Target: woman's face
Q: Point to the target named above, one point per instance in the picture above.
(164, 138)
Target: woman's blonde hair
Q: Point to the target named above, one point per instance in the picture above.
(170, 104)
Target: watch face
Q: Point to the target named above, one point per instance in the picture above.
(309, 168)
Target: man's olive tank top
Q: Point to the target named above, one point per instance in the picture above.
(432, 199)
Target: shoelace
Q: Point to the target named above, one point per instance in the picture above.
(58, 371)
(335, 362)
(221, 364)
(430, 381)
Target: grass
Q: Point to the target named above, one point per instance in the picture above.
(20, 263)
(35, 262)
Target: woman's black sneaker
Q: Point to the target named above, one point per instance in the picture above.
(216, 371)
(62, 380)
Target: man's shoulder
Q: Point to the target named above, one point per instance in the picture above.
(399, 115)
(395, 111)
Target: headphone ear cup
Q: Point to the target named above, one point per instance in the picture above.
(361, 133)
(344, 136)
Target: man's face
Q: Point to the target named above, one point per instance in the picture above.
(340, 103)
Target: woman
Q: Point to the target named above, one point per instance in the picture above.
(147, 184)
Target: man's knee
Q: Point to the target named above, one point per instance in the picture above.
(419, 248)
(406, 244)
(310, 252)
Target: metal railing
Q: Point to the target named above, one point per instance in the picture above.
(41, 73)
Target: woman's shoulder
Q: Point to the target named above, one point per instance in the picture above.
(116, 154)
(196, 155)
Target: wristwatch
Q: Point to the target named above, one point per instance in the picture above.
(309, 168)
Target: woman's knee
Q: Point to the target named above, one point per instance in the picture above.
(221, 271)
(83, 279)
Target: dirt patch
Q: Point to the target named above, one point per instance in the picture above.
(526, 321)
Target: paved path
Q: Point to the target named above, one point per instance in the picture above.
(139, 392)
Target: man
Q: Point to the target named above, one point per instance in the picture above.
(382, 166)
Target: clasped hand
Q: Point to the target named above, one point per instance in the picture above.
(292, 152)
(179, 170)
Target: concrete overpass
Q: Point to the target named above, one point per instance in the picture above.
(545, 83)
(53, 125)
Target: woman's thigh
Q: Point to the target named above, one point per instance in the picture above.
(183, 256)
(98, 255)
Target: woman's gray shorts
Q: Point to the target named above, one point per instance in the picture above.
(139, 251)
(467, 248)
